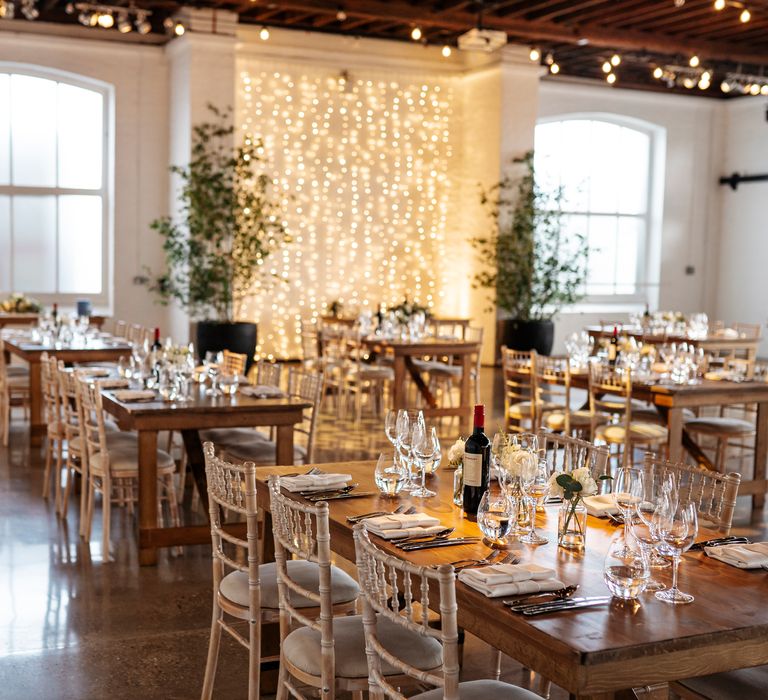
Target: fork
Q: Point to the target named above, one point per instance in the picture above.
(490, 560)
(401, 509)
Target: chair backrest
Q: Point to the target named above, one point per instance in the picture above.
(303, 531)
(3, 365)
(306, 385)
(565, 453)
(71, 406)
(121, 329)
(713, 493)
(51, 390)
(310, 344)
(610, 391)
(92, 419)
(748, 330)
(400, 591)
(268, 373)
(233, 363)
(474, 334)
(135, 334)
(553, 386)
(519, 370)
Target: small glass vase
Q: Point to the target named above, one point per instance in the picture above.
(458, 485)
(517, 493)
(572, 525)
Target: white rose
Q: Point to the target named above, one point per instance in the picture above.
(584, 477)
(555, 490)
(456, 452)
(519, 463)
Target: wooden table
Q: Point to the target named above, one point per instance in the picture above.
(404, 352)
(199, 413)
(29, 352)
(594, 652)
(31, 319)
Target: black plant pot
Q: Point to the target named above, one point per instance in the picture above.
(240, 337)
(525, 335)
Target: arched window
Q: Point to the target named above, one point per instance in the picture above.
(605, 170)
(53, 186)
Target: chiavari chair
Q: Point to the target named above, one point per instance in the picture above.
(360, 377)
(328, 653)
(519, 373)
(610, 392)
(14, 392)
(403, 641)
(121, 329)
(55, 425)
(310, 345)
(268, 373)
(233, 363)
(566, 453)
(135, 334)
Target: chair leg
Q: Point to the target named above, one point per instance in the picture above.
(182, 475)
(64, 507)
(106, 515)
(213, 652)
(84, 480)
(254, 659)
(282, 677)
(85, 530)
(48, 465)
(497, 665)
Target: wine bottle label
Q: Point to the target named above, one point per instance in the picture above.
(473, 469)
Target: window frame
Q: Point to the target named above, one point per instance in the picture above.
(647, 285)
(102, 300)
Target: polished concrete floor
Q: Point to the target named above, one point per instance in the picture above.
(75, 627)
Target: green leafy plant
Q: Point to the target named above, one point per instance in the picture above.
(407, 309)
(226, 228)
(533, 268)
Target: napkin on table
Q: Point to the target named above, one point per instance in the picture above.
(114, 383)
(510, 579)
(127, 395)
(403, 525)
(314, 482)
(744, 556)
(262, 391)
(94, 371)
(601, 506)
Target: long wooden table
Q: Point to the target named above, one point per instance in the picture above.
(31, 319)
(97, 350)
(594, 652)
(199, 413)
(404, 352)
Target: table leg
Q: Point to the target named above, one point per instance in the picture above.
(420, 384)
(465, 402)
(284, 446)
(196, 464)
(761, 451)
(147, 494)
(37, 428)
(398, 389)
(675, 428)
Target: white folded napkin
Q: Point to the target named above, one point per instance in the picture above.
(127, 395)
(114, 383)
(262, 391)
(314, 482)
(726, 333)
(401, 525)
(94, 371)
(600, 506)
(510, 579)
(744, 556)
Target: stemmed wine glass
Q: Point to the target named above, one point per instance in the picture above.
(495, 515)
(424, 445)
(659, 490)
(500, 441)
(627, 495)
(676, 528)
(212, 363)
(536, 491)
(407, 419)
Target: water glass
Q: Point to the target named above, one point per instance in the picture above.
(425, 446)
(228, 384)
(627, 493)
(626, 571)
(676, 530)
(495, 516)
(390, 475)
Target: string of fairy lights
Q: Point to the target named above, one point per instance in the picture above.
(360, 168)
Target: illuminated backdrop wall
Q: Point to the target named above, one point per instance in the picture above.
(360, 163)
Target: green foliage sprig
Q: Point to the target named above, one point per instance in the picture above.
(226, 227)
(533, 269)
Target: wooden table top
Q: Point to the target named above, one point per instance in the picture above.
(25, 347)
(659, 338)
(424, 346)
(729, 606)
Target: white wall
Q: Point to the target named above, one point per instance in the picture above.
(743, 254)
(690, 217)
(138, 75)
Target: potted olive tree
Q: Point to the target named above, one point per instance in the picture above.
(533, 269)
(216, 247)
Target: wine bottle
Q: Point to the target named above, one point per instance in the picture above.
(613, 347)
(55, 313)
(477, 460)
(157, 345)
(155, 355)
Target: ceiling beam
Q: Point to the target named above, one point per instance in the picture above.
(459, 20)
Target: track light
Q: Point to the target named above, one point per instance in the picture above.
(264, 34)
(142, 24)
(694, 61)
(106, 20)
(719, 5)
(123, 23)
(658, 72)
(554, 69)
(341, 15)
(615, 59)
(416, 33)
(446, 51)
(745, 16)
(611, 78)
(607, 67)
(534, 54)
(179, 29)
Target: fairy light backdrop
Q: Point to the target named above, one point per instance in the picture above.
(360, 167)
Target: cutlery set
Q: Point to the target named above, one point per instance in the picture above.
(719, 542)
(561, 605)
(405, 510)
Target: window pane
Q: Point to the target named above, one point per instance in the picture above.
(80, 137)
(605, 152)
(5, 244)
(602, 254)
(80, 244)
(34, 244)
(632, 171)
(575, 155)
(5, 129)
(627, 252)
(33, 124)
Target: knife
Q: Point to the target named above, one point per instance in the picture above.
(340, 496)
(545, 608)
(329, 492)
(720, 541)
(439, 543)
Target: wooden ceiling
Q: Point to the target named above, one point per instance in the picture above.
(580, 34)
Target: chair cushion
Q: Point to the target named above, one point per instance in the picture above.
(483, 690)
(124, 458)
(227, 435)
(520, 410)
(114, 437)
(733, 685)
(12, 371)
(302, 648)
(720, 424)
(257, 448)
(581, 418)
(437, 367)
(234, 586)
(376, 372)
(638, 432)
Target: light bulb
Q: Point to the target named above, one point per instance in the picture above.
(755, 89)
(725, 86)
(264, 34)
(611, 78)
(554, 69)
(745, 15)
(416, 33)
(607, 67)
(764, 90)
(688, 83)
(693, 61)
(446, 51)
(123, 23)
(93, 19)
(534, 54)
(106, 21)
(719, 5)
(658, 72)
(704, 84)
(615, 59)
(142, 24)
(179, 29)
(341, 15)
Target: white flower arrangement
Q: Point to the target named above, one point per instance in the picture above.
(518, 462)
(564, 487)
(456, 453)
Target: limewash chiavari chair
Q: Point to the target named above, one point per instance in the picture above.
(55, 426)
(385, 581)
(713, 493)
(268, 373)
(135, 334)
(233, 363)
(610, 392)
(566, 453)
(113, 465)
(310, 345)
(121, 329)
(359, 377)
(328, 653)
(519, 374)
(14, 391)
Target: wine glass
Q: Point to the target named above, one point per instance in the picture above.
(626, 571)
(659, 489)
(407, 419)
(676, 528)
(212, 363)
(627, 494)
(424, 445)
(390, 426)
(390, 475)
(500, 441)
(495, 515)
(536, 491)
